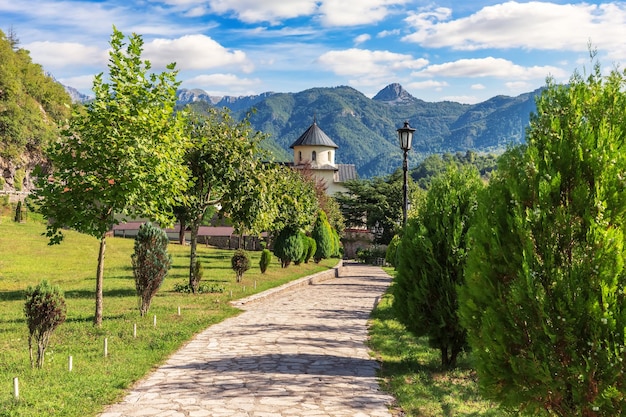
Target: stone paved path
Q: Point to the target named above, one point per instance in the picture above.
(297, 353)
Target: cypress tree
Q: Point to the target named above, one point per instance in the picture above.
(431, 257)
(322, 233)
(544, 296)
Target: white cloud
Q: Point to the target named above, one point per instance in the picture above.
(369, 63)
(356, 12)
(194, 52)
(477, 87)
(83, 83)
(385, 33)
(489, 67)
(531, 25)
(265, 11)
(362, 38)
(54, 55)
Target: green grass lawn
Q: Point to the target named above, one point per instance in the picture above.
(411, 372)
(26, 259)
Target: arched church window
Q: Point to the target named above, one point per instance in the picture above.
(313, 156)
(300, 156)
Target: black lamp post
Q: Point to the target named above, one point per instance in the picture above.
(405, 135)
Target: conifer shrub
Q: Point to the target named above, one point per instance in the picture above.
(266, 259)
(288, 246)
(431, 260)
(45, 310)
(392, 249)
(150, 262)
(305, 248)
(322, 233)
(310, 249)
(544, 301)
(240, 263)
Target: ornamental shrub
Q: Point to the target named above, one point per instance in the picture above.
(310, 249)
(431, 259)
(288, 246)
(322, 233)
(392, 248)
(266, 259)
(151, 263)
(45, 310)
(305, 248)
(240, 263)
(544, 300)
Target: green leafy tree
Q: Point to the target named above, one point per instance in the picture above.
(431, 259)
(121, 155)
(226, 167)
(311, 248)
(323, 235)
(544, 297)
(295, 200)
(45, 310)
(151, 263)
(240, 263)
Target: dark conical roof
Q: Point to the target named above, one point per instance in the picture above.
(314, 136)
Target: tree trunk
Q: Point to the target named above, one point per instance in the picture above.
(97, 321)
(181, 232)
(195, 225)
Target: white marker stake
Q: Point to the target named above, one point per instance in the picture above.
(69, 365)
(154, 320)
(106, 347)
(135, 330)
(16, 388)
(255, 284)
(179, 310)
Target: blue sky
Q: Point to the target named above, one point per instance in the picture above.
(466, 51)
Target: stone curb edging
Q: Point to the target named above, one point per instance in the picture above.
(334, 272)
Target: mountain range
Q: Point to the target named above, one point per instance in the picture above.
(365, 128)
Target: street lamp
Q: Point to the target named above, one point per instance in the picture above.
(405, 135)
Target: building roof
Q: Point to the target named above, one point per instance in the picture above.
(314, 136)
(346, 172)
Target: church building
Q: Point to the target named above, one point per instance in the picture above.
(316, 151)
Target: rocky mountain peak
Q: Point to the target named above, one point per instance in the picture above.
(394, 94)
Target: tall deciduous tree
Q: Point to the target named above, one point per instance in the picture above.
(226, 168)
(122, 155)
(431, 260)
(544, 300)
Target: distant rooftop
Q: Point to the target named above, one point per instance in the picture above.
(346, 172)
(314, 136)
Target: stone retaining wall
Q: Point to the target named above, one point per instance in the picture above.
(334, 272)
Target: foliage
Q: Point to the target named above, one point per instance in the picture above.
(45, 310)
(431, 259)
(544, 297)
(151, 262)
(392, 249)
(18, 179)
(122, 155)
(323, 235)
(288, 246)
(306, 247)
(266, 258)
(436, 164)
(295, 198)
(240, 262)
(375, 201)
(226, 166)
(311, 248)
(202, 288)
(32, 103)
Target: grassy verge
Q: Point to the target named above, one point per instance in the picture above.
(411, 372)
(95, 381)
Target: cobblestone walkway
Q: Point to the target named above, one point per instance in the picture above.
(298, 353)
